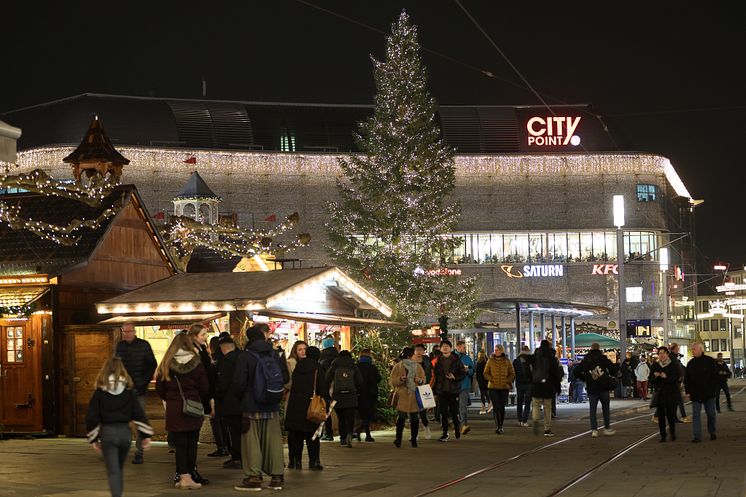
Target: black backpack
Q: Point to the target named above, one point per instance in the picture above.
(539, 370)
(344, 381)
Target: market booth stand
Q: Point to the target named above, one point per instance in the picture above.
(299, 304)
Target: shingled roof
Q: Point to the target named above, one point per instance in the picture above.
(96, 147)
(196, 188)
(22, 251)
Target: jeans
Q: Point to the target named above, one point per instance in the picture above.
(499, 398)
(724, 388)
(232, 425)
(448, 404)
(523, 402)
(185, 449)
(680, 402)
(593, 398)
(536, 404)
(642, 389)
(577, 391)
(463, 407)
(142, 400)
(414, 424)
(115, 444)
(218, 430)
(666, 413)
(709, 406)
(346, 420)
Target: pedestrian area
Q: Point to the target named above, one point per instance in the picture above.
(478, 464)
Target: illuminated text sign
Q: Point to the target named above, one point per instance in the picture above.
(553, 131)
(605, 269)
(534, 271)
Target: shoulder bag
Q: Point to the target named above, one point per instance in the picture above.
(316, 412)
(190, 407)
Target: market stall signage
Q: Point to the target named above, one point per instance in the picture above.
(533, 271)
(553, 131)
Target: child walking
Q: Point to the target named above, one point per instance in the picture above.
(113, 405)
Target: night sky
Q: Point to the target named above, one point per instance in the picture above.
(665, 79)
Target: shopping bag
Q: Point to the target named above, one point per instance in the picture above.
(425, 397)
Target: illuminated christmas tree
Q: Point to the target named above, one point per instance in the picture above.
(391, 223)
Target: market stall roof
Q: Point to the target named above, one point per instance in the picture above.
(332, 319)
(290, 290)
(548, 307)
(157, 319)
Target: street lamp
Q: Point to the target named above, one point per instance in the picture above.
(664, 274)
(618, 202)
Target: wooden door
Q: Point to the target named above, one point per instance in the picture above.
(20, 405)
(90, 350)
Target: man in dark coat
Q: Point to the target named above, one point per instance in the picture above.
(230, 403)
(139, 361)
(329, 352)
(261, 441)
(702, 383)
(522, 368)
(449, 372)
(597, 371)
(368, 393)
(546, 378)
(724, 372)
(345, 382)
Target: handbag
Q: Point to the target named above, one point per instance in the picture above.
(190, 407)
(316, 412)
(393, 398)
(425, 397)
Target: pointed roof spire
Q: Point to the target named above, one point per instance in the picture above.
(196, 188)
(96, 147)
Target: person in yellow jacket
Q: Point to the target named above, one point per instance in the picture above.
(499, 374)
(406, 376)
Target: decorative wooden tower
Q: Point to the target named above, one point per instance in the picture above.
(197, 201)
(96, 156)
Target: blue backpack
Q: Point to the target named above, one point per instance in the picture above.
(268, 386)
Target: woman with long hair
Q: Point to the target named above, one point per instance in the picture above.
(297, 353)
(499, 374)
(664, 375)
(482, 383)
(113, 405)
(308, 380)
(406, 376)
(179, 376)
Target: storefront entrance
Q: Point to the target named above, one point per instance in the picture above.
(20, 402)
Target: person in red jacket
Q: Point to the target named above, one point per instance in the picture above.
(181, 376)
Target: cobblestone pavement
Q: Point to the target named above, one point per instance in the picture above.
(70, 468)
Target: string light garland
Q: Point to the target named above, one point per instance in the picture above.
(16, 310)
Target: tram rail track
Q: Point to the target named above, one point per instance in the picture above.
(584, 475)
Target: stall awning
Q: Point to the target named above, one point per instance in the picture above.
(331, 319)
(548, 307)
(21, 295)
(156, 319)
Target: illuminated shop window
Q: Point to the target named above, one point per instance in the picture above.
(287, 141)
(647, 193)
(14, 344)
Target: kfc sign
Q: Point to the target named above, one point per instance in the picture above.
(605, 269)
(553, 131)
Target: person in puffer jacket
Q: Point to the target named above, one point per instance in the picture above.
(499, 374)
(111, 408)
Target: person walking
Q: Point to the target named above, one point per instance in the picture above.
(484, 395)
(598, 373)
(665, 379)
(546, 377)
(368, 394)
(642, 372)
(230, 403)
(259, 381)
(724, 373)
(112, 406)
(345, 382)
(449, 372)
(427, 366)
(306, 382)
(406, 376)
(499, 374)
(181, 377)
(329, 352)
(702, 383)
(139, 361)
(297, 353)
(676, 359)
(463, 397)
(522, 368)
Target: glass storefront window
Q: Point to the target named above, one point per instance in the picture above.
(536, 247)
(573, 247)
(586, 246)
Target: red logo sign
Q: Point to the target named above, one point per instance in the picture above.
(605, 269)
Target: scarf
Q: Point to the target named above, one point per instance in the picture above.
(411, 368)
(665, 363)
(116, 385)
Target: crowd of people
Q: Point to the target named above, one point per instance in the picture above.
(247, 392)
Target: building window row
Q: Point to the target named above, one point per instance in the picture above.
(716, 345)
(647, 193)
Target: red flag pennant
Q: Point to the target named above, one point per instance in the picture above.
(271, 218)
(191, 160)
(159, 215)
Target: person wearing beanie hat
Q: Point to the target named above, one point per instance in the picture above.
(328, 353)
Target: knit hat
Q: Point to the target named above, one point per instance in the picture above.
(327, 342)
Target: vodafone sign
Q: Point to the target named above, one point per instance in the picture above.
(553, 131)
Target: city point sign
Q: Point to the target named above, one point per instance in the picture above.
(552, 131)
(552, 270)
